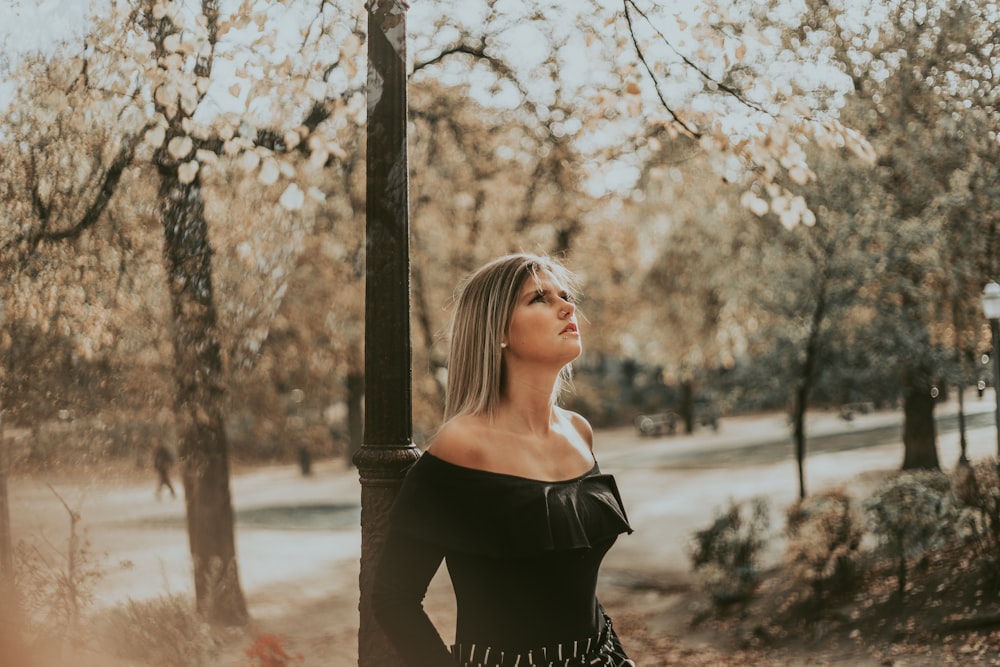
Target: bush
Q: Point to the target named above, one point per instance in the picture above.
(160, 632)
(824, 534)
(54, 588)
(726, 554)
(912, 514)
(977, 490)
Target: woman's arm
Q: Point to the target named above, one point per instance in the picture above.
(404, 571)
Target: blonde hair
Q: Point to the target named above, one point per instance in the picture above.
(482, 316)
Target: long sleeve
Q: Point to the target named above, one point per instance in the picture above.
(403, 574)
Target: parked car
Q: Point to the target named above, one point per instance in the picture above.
(659, 423)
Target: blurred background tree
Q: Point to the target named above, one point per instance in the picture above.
(772, 206)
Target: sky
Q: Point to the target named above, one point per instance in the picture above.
(29, 25)
(21, 22)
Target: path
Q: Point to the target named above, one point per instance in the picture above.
(290, 557)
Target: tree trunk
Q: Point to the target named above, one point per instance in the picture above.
(963, 443)
(10, 608)
(804, 383)
(355, 412)
(6, 544)
(203, 447)
(799, 431)
(919, 430)
(687, 405)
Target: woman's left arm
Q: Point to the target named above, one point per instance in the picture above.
(402, 576)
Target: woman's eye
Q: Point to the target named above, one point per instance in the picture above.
(539, 296)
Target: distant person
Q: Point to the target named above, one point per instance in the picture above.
(163, 460)
(305, 460)
(508, 493)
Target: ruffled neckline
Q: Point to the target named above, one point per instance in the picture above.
(476, 511)
(505, 475)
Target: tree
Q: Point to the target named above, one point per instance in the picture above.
(927, 75)
(694, 237)
(156, 67)
(746, 89)
(819, 290)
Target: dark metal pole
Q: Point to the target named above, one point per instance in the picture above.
(388, 447)
(995, 329)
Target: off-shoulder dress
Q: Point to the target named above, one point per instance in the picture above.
(523, 556)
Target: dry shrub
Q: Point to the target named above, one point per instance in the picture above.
(824, 534)
(912, 514)
(54, 588)
(159, 632)
(977, 489)
(726, 555)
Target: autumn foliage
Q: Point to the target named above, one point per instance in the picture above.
(268, 650)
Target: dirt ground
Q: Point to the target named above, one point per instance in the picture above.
(299, 548)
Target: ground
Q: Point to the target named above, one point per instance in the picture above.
(298, 546)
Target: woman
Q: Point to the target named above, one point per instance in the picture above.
(508, 492)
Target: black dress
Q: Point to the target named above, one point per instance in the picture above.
(523, 556)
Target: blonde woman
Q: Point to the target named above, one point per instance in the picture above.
(508, 492)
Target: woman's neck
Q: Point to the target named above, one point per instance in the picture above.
(528, 406)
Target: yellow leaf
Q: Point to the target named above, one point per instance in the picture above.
(292, 198)
(164, 95)
(789, 219)
(318, 158)
(248, 161)
(180, 147)
(187, 171)
(172, 42)
(269, 172)
(172, 62)
(799, 174)
(155, 136)
(754, 203)
(336, 151)
(206, 157)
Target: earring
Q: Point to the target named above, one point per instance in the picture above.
(503, 345)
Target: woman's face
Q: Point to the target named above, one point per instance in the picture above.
(543, 326)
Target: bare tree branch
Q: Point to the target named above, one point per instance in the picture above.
(108, 185)
(729, 90)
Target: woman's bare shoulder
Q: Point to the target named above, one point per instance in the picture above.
(581, 426)
(460, 441)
